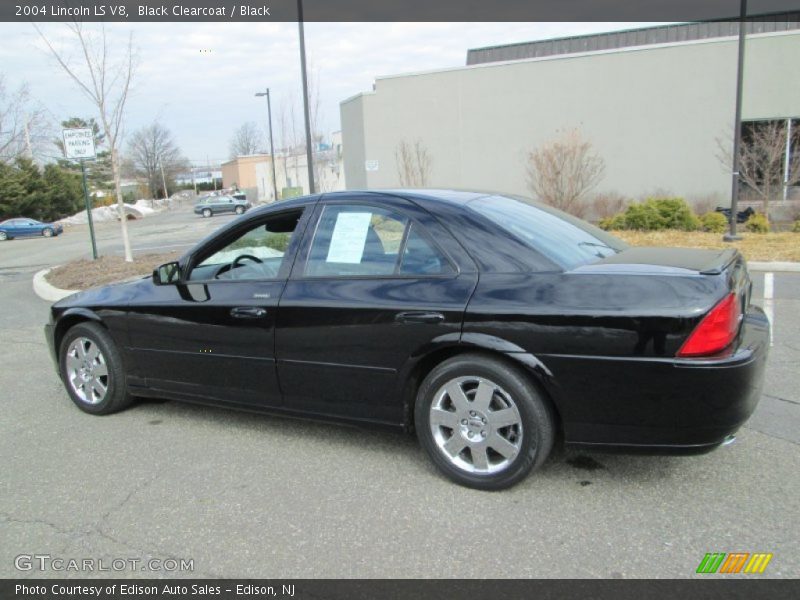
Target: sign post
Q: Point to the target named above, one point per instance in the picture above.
(79, 145)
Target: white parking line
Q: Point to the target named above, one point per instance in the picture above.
(769, 292)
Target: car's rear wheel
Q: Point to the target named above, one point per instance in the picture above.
(3, 236)
(92, 370)
(482, 422)
(207, 212)
(239, 210)
(47, 232)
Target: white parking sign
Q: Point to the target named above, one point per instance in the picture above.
(79, 143)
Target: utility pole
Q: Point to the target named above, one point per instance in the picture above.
(786, 160)
(309, 152)
(271, 145)
(737, 133)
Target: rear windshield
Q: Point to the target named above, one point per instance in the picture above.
(564, 239)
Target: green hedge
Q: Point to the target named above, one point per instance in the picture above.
(757, 223)
(714, 222)
(655, 214)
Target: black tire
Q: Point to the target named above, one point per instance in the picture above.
(116, 397)
(47, 232)
(207, 212)
(533, 434)
(239, 210)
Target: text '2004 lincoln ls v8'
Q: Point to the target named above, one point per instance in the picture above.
(489, 325)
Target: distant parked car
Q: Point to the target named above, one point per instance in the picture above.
(21, 227)
(209, 206)
(741, 216)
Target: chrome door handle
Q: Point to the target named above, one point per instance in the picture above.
(248, 312)
(418, 316)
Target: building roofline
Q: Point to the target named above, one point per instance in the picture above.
(683, 32)
(642, 48)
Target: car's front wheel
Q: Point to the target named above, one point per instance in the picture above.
(92, 370)
(3, 236)
(47, 232)
(207, 212)
(239, 210)
(482, 422)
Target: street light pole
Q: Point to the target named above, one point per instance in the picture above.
(737, 133)
(271, 146)
(309, 155)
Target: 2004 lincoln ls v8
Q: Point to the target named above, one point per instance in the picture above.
(489, 325)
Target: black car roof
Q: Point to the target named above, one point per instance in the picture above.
(432, 195)
(426, 196)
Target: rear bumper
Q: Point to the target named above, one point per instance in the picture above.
(662, 405)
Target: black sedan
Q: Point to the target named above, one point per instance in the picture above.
(491, 326)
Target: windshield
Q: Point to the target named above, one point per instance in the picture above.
(564, 239)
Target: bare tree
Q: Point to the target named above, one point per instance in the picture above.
(413, 163)
(286, 142)
(154, 155)
(23, 124)
(292, 141)
(106, 83)
(561, 171)
(246, 140)
(762, 153)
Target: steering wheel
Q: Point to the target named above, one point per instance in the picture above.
(236, 260)
(231, 266)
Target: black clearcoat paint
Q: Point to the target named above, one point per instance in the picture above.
(600, 339)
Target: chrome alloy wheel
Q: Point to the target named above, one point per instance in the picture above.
(476, 425)
(87, 371)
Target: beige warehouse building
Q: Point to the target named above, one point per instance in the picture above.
(652, 102)
(253, 172)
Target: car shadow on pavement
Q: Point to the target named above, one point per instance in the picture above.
(585, 468)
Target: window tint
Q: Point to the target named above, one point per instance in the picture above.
(256, 254)
(363, 241)
(564, 239)
(356, 240)
(420, 256)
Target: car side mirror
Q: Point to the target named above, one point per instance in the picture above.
(167, 274)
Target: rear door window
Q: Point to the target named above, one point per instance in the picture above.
(364, 241)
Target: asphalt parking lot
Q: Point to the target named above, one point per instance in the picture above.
(258, 496)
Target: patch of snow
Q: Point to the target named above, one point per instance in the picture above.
(140, 209)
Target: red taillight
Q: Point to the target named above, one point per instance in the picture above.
(716, 331)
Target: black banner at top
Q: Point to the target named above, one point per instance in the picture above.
(392, 10)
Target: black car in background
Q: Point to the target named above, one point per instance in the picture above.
(489, 325)
(208, 206)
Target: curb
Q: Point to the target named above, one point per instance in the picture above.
(45, 291)
(781, 266)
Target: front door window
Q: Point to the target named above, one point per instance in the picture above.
(255, 254)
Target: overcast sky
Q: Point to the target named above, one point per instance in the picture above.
(202, 97)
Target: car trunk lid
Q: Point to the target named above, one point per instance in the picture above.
(706, 262)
